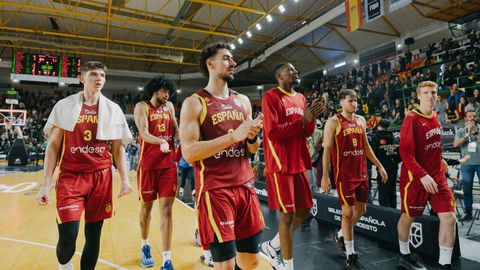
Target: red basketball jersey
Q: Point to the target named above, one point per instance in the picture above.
(81, 151)
(229, 167)
(160, 124)
(348, 153)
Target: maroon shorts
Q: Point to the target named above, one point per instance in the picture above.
(286, 192)
(153, 184)
(349, 192)
(414, 197)
(91, 191)
(229, 214)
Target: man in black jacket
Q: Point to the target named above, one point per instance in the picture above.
(385, 147)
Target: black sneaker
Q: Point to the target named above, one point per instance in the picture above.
(352, 263)
(466, 217)
(445, 267)
(410, 262)
(340, 245)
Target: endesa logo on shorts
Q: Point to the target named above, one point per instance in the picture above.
(230, 153)
(87, 149)
(353, 153)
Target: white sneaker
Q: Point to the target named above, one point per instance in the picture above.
(180, 192)
(273, 255)
(208, 261)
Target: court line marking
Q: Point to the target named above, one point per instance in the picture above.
(260, 252)
(53, 247)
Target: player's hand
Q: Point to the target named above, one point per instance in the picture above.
(164, 146)
(317, 107)
(326, 186)
(464, 159)
(125, 189)
(248, 128)
(429, 185)
(444, 166)
(257, 126)
(384, 175)
(43, 195)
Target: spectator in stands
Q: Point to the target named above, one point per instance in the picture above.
(408, 57)
(385, 112)
(460, 73)
(476, 95)
(451, 113)
(461, 108)
(467, 138)
(430, 75)
(455, 95)
(440, 107)
(417, 78)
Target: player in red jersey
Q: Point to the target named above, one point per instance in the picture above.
(216, 133)
(85, 180)
(157, 173)
(422, 178)
(346, 143)
(288, 122)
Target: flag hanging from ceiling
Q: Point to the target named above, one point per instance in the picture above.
(373, 9)
(353, 9)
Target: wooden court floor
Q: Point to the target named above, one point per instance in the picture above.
(28, 233)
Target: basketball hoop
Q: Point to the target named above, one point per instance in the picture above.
(10, 117)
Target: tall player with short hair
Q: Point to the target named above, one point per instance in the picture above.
(288, 122)
(157, 173)
(79, 129)
(346, 146)
(216, 133)
(422, 178)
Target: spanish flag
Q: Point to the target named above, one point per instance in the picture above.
(353, 9)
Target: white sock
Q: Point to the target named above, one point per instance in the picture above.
(404, 247)
(207, 254)
(445, 255)
(288, 264)
(349, 247)
(67, 266)
(144, 242)
(340, 233)
(166, 255)
(275, 242)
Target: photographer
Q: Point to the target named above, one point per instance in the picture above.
(385, 147)
(467, 139)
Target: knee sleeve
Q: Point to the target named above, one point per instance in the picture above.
(67, 237)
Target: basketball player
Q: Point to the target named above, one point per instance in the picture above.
(157, 173)
(422, 178)
(288, 122)
(85, 180)
(216, 133)
(346, 143)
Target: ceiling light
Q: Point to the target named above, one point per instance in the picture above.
(259, 87)
(324, 72)
(399, 46)
(341, 64)
(355, 61)
(240, 41)
(140, 88)
(61, 84)
(16, 80)
(232, 46)
(249, 34)
(269, 18)
(295, 1)
(258, 26)
(281, 8)
(179, 91)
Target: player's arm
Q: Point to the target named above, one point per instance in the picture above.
(50, 162)
(328, 140)
(370, 154)
(253, 142)
(141, 121)
(175, 124)
(118, 152)
(271, 108)
(192, 148)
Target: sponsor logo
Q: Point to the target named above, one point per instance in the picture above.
(433, 145)
(108, 207)
(261, 192)
(416, 235)
(71, 207)
(87, 149)
(227, 223)
(353, 153)
(230, 153)
(166, 137)
(294, 110)
(87, 111)
(226, 106)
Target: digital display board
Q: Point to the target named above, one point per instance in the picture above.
(35, 64)
(46, 65)
(71, 67)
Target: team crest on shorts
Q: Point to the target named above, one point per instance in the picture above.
(108, 207)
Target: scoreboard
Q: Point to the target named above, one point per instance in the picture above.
(47, 68)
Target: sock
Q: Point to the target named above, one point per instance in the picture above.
(67, 266)
(340, 233)
(166, 256)
(144, 242)
(445, 255)
(207, 254)
(349, 247)
(404, 247)
(275, 242)
(288, 264)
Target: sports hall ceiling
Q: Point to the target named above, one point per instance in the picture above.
(167, 35)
